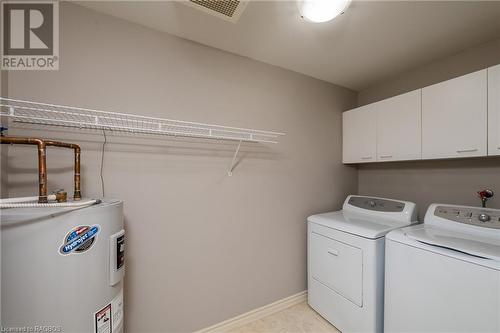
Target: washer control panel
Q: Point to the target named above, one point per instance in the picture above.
(376, 204)
(481, 217)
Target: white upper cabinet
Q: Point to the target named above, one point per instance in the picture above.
(454, 117)
(494, 110)
(360, 135)
(399, 128)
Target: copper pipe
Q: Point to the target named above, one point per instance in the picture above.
(42, 162)
(77, 195)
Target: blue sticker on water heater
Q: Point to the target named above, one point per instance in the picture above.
(79, 239)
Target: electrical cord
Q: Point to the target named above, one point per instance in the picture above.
(102, 161)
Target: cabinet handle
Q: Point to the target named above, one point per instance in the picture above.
(366, 158)
(466, 150)
(333, 252)
(385, 156)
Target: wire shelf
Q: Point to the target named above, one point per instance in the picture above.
(67, 116)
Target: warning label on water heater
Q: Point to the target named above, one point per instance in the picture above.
(102, 320)
(110, 318)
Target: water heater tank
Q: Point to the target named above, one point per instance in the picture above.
(62, 269)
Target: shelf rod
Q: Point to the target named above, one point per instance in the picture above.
(44, 114)
(70, 123)
(180, 126)
(137, 116)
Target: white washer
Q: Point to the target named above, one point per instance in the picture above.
(346, 260)
(444, 275)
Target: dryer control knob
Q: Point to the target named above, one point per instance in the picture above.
(484, 217)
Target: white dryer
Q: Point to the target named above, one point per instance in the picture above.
(444, 275)
(346, 260)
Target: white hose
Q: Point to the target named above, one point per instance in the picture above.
(25, 199)
(74, 204)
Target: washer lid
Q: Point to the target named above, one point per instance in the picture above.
(362, 225)
(479, 246)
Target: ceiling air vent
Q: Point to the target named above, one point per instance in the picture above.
(229, 10)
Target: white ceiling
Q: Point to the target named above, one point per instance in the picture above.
(373, 40)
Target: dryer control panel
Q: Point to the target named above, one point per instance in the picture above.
(481, 217)
(376, 204)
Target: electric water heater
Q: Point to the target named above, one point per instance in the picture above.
(62, 268)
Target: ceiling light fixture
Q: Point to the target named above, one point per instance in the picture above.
(318, 11)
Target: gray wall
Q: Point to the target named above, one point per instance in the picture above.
(467, 61)
(3, 152)
(3, 148)
(445, 181)
(202, 246)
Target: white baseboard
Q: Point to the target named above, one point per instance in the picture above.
(256, 314)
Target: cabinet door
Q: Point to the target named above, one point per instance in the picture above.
(399, 127)
(454, 117)
(360, 135)
(494, 110)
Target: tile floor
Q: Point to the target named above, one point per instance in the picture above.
(299, 318)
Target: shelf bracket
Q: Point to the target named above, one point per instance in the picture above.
(231, 167)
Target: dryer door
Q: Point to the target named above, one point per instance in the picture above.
(337, 265)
